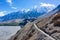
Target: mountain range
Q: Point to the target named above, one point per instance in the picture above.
(32, 13)
(16, 17)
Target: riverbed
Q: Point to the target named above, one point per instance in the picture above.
(7, 31)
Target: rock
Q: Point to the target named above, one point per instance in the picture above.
(29, 32)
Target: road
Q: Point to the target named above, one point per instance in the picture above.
(43, 32)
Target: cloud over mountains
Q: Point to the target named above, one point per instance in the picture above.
(2, 13)
(38, 7)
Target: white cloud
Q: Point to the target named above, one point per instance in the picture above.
(13, 7)
(11, 4)
(35, 6)
(2, 13)
(9, 1)
(47, 5)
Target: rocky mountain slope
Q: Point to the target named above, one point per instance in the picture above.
(29, 33)
(44, 28)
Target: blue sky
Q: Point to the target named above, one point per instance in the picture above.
(7, 6)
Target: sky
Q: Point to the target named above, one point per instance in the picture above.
(7, 6)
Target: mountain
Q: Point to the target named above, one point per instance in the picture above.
(22, 17)
(44, 28)
(32, 13)
(10, 19)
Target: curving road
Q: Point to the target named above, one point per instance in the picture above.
(43, 32)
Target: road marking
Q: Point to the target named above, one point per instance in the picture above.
(43, 32)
